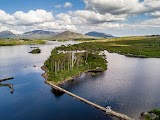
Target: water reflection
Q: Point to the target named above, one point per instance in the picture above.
(57, 93)
(32, 98)
(130, 85)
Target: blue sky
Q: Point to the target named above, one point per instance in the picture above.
(26, 5)
(117, 17)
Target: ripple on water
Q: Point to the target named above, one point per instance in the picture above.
(130, 86)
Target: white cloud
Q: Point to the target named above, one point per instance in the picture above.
(64, 18)
(58, 6)
(111, 25)
(38, 19)
(56, 26)
(6, 18)
(3, 28)
(151, 22)
(122, 6)
(96, 18)
(68, 4)
(155, 14)
(65, 5)
(33, 17)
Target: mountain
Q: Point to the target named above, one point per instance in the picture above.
(38, 34)
(98, 34)
(66, 35)
(46, 35)
(6, 34)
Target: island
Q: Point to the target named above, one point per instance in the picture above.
(36, 51)
(68, 62)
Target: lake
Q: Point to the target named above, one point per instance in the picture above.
(129, 86)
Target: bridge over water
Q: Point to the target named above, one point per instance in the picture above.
(107, 111)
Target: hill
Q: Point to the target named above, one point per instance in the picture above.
(6, 34)
(66, 35)
(38, 34)
(98, 34)
(47, 35)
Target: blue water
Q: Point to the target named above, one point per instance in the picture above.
(32, 98)
(129, 86)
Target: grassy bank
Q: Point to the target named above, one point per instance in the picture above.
(66, 63)
(129, 46)
(71, 61)
(151, 115)
(11, 42)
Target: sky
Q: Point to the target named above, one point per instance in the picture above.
(116, 17)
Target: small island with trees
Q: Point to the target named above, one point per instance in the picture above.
(36, 51)
(67, 62)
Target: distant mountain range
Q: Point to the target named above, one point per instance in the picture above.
(98, 34)
(48, 35)
(38, 34)
(41, 32)
(6, 34)
(69, 35)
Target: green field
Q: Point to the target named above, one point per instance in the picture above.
(11, 42)
(129, 46)
(59, 64)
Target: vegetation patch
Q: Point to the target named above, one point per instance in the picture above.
(151, 115)
(65, 63)
(11, 42)
(35, 51)
(144, 47)
(69, 61)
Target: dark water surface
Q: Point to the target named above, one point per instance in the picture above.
(32, 98)
(130, 86)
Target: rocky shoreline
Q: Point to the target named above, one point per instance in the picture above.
(45, 75)
(149, 116)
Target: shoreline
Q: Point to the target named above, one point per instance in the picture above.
(18, 42)
(58, 88)
(5, 45)
(132, 55)
(45, 75)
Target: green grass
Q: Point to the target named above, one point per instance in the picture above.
(155, 111)
(12, 42)
(129, 46)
